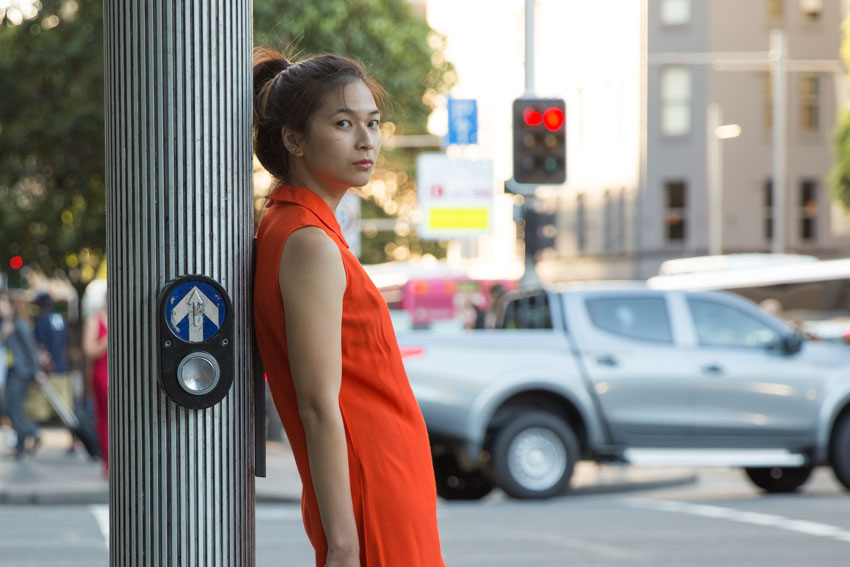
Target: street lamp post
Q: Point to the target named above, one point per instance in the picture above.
(714, 172)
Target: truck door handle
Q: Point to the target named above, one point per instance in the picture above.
(606, 360)
(712, 369)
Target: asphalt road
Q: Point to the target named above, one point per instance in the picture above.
(720, 520)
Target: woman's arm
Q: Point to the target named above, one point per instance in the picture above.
(312, 282)
(93, 347)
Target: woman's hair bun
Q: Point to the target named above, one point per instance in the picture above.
(268, 64)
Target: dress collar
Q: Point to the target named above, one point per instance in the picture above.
(309, 200)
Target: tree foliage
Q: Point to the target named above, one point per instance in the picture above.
(52, 163)
(51, 137)
(839, 178)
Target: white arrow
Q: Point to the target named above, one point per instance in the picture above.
(195, 305)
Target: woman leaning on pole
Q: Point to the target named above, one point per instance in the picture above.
(324, 330)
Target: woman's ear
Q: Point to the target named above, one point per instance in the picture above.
(291, 141)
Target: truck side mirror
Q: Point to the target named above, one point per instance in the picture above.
(792, 343)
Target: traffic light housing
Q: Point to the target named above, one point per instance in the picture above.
(540, 140)
(541, 231)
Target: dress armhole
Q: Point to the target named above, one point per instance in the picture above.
(286, 236)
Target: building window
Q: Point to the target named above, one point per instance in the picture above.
(675, 12)
(767, 98)
(768, 209)
(608, 221)
(581, 222)
(812, 9)
(808, 209)
(809, 107)
(775, 10)
(676, 206)
(676, 101)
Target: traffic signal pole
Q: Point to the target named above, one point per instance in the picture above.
(529, 276)
(178, 88)
(529, 48)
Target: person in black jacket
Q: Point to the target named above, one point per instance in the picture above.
(22, 366)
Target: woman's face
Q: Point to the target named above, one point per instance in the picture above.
(344, 139)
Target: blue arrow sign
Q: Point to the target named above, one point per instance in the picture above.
(463, 121)
(195, 311)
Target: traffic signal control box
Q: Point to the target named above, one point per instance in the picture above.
(540, 140)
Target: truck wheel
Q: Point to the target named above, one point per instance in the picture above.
(533, 456)
(839, 453)
(454, 483)
(779, 479)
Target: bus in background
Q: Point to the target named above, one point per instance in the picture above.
(813, 294)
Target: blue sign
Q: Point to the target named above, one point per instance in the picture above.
(463, 121)
(195, 311)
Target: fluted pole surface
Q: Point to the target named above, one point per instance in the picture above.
(178, 146)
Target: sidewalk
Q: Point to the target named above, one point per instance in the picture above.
(52, 477)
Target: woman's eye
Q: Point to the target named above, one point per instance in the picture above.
(344, 123)
(374, 123)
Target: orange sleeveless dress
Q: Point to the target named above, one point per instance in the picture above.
(389, 457)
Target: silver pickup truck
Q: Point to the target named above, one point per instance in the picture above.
(623, 373)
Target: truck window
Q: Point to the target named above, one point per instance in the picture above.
(720, 325)
(527, 312)
(641, 318)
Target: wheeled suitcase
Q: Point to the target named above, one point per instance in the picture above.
(82, 428)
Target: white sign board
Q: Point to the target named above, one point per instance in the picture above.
(455, 196)
(348, 217)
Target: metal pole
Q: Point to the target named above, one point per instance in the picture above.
(714, 171)
(530, 277)
(778, 56)
(178, 148)
(529, 48)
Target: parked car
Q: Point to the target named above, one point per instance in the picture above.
(623, 373)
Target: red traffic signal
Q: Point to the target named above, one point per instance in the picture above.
(553, 118)
(16, 262)
(532, 117)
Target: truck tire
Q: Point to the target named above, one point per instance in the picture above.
(454, 483)
(779, 479)
(839, 451)
(533, 456)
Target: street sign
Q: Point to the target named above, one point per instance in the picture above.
(455, 196)
(348, 217)
(463, 121)
(195, 311)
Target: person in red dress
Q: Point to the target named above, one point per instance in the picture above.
(323, 329)
(94, 347)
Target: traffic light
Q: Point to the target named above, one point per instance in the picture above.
(540, 140)
(541, 230)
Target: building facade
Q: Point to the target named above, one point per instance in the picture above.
(693, 54)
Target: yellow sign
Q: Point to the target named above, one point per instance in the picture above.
(455, 218)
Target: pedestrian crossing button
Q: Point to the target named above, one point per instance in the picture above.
(198, 373)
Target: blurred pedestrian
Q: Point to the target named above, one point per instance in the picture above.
(94, 346)
(487, 312)
(22, 367)
(52, 336)
(333, 364)
(7, 434)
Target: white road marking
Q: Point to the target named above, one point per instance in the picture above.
(101, 516)
(806, 527)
